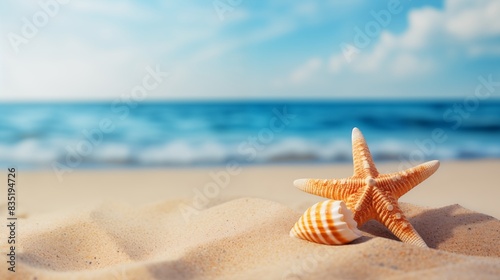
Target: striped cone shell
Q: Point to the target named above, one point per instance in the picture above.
(329, 222)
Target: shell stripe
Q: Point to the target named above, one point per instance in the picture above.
(324, 223)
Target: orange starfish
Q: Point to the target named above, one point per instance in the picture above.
(371, 195)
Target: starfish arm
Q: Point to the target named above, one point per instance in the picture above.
(389, 214)
(362, 158)
(401, 182)
(339, 189)
(360, 205)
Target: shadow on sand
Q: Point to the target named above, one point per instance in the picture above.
(451, 228)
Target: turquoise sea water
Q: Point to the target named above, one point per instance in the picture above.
(107, 135)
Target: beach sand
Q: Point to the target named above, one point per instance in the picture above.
(234, 223)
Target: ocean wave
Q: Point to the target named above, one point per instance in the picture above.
(179, 153)
(215, 133)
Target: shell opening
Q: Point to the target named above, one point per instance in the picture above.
(349, 219)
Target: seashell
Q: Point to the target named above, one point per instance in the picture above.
(329, 222)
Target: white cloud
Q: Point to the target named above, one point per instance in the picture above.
(424, 27)
(336, 63)
(307, 9)
(72, 69)
(111, 8)
(302, 75)
(466, 27)
(304, 72)
(405, 65)
(473, 19)
(93, 50)
(99, 49)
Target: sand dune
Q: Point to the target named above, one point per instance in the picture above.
(246, 238)
(75, 229)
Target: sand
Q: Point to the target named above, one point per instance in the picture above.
(189, 224)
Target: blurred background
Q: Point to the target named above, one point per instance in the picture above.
(127, 84)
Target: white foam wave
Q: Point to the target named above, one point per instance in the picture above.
(181, 152)
(28, 151)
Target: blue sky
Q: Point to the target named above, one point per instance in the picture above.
(99, 50)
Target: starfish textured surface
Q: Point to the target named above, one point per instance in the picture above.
(370, 195)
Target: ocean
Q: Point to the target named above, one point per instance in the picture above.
(177, 134)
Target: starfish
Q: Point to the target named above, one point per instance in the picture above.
(370, 195)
